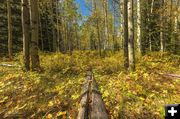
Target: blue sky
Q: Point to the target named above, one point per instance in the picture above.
(83, 9)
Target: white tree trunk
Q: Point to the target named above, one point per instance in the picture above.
(121, 21)
(176, 42)
(131, 36)
(139, 27)
(106, 36)
(161, 28)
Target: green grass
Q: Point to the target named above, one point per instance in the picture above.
(55, 92)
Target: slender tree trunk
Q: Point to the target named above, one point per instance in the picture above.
(139, 27)
(53, 27)
(99, 38)
(162, 43)
(126, 58)
(105, 26)
(41, 34)
(9, 29)
(49, 40)
(47, 34)
(26, 34)
(149, 16)
(98, 29)
(176, 42)
(67, 36)
(122, 22)
(113, 28)
(57, 26)
(131, 36)
(170, 4)
(34, 35)
(77, 39)
(70, 40)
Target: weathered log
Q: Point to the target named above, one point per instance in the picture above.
(91, 104)
(84, 101)
(172, 75)
(98, 110)
(8, 65)
(169, 75)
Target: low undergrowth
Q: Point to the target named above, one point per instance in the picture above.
(55, 92)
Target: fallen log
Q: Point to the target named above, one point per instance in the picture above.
(98, 110)
(91, 104)
(8, 65)
(84, 102)
(172, 75)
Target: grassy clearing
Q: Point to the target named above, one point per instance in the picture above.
(54, 93)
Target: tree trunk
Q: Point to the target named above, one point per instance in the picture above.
(122, 22)
(26, 33)
(53, 27)
(99, 39)
(9, 29)
(77, 38)
(126, 58)
(176, 42)
(171, 24)
(131, 36)
(98, 29)
(139, 48)
(105, 26)
(34, 35)
(41, 34)
(113, 28)
(149, 15)
(162, 43)
(48, 40)
(57, 27)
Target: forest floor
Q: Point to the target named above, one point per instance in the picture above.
(55, 92)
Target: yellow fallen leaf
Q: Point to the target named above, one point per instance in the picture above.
(49, 116)
(50, 103)
(61, 113)
(141, 98)
(1, 84)
(4, 99)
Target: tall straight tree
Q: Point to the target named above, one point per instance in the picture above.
(9, 29)
(162, 42)
(113, 28)
(139, 27)
(148, 20)
(106, 36)
(26, 33)
(131, 36)
(97, 25)
(125, 29)
(57, 27)
(176, 15)
(121, 7)
(34, 35)
(53, 25)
